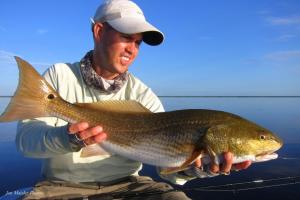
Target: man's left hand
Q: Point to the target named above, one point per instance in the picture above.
(226, 166)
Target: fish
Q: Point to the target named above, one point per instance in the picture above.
(171, 140)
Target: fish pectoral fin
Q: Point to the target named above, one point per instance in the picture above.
(125, 106)
(93, 150)
(212, 155)
(196, 154)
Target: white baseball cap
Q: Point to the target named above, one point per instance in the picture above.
(126, 17)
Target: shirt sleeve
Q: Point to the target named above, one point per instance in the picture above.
(151, 101)
(40, 137)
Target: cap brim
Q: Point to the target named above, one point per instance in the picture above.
(151, 35)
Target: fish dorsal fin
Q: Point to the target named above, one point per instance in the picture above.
(125, 106)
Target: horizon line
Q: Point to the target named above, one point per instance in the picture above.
(228, 96)
(202, 96)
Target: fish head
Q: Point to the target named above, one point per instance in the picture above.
(264, 144)
(243, 138)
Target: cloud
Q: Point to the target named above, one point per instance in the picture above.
(264, 12)
(286, 37)
(204, 38)
(10, 72)
(288, 26)
(283, 55)
(42, 31)
(288, 60)
(252, 62)
(2, 28)
(41, 66)
(284, 21)
(7, 57)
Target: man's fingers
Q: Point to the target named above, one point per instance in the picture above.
(90, 132)
(228, 159)
(226, 166)
(198, 163)
(95, 139)
(100, 137)
(243, 165)
(77, 127)
(214, 168)
(87, 135)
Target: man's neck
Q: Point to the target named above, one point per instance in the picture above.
(101, 71)
(104, 73)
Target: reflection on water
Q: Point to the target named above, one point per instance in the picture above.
(280, 115)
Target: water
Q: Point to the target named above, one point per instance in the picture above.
(280, 115)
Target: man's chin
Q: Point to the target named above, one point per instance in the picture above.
(122, 69)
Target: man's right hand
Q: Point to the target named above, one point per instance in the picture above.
(89, 135)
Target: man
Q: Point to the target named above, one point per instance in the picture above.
(118, 29)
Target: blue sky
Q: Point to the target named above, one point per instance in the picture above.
(211, 47)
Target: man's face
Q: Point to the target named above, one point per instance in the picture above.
(116, 51)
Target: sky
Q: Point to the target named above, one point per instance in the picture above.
(211, 47)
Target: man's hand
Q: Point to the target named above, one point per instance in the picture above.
(226, 166)
(89, 135)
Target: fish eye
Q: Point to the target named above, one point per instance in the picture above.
(262, 137)
(50, 96)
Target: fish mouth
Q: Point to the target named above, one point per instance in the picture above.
(266, 157)
(270, 155)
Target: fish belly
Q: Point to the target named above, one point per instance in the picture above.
(148, 154)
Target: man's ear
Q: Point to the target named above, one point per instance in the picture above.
(97, 31)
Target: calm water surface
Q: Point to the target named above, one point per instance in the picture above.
(280, 115)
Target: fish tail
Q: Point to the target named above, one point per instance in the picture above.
(32, 96)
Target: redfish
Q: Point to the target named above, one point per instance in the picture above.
(171, 140)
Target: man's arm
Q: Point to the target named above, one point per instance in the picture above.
(37, 138)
